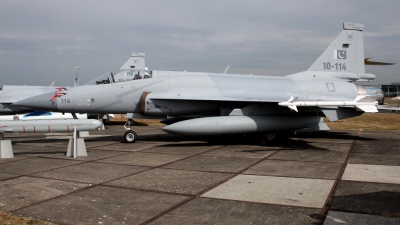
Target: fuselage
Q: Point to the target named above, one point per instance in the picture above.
(184, 89)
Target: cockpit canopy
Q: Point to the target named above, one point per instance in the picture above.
(122, 76)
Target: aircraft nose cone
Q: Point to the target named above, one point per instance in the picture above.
(39, 102)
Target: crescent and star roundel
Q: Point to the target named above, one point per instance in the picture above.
(340, 54)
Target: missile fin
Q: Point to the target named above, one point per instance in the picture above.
(367, 108)
(293, 107)
(359, 98)
(291, 99)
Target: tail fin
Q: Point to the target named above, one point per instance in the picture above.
(345, 53)
(136, 61)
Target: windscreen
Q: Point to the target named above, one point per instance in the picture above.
(103, 79)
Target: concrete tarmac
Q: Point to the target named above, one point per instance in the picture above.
(335, 177)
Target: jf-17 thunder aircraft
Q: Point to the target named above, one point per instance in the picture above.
(198, 103)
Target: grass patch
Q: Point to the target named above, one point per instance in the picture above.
(148, 122)
(7, 219)
(377, 121)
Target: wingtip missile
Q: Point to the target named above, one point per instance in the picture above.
(361, 102)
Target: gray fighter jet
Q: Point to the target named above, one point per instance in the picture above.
(10, 94)
(218, 103)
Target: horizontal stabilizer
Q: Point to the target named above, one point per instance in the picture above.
(384, 107)
(339, 113)
(367, 61)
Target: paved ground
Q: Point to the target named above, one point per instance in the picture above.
(335, 177)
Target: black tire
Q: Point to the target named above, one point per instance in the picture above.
(130, 136)
(270, 136)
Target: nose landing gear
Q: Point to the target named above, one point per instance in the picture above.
(130, 136)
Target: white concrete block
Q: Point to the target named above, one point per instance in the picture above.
(6, 150)
(372, 173)
(80, 148)
(275, 190)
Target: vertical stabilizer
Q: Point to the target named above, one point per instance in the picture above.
(345, 53)
(136, 61)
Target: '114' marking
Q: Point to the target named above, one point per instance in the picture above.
(336, 66)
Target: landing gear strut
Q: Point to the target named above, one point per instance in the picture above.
(130, 136)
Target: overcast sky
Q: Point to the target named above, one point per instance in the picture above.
(44, 40)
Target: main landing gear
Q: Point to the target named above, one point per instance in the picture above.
(130, 136)
(270, 136)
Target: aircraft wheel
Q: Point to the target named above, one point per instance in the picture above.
(130, 136)
(270, 136)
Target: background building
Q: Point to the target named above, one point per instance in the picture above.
(391, 90)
